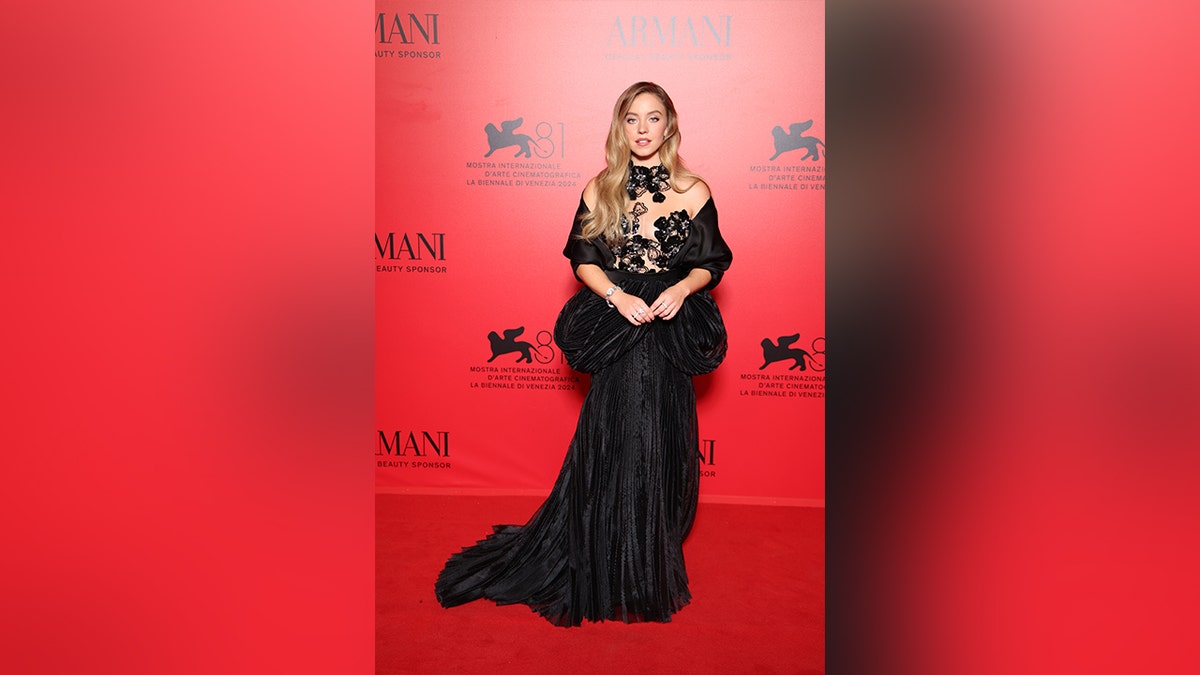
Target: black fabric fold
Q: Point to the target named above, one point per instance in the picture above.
(705, 247)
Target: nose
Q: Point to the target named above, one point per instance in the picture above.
(642, 126)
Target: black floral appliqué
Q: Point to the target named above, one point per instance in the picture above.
(644, 254)
(643, 179)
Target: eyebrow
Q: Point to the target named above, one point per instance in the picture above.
(652, 112)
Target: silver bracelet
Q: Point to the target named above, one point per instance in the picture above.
(608, 295)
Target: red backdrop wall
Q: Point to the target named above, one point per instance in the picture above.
(470, 229)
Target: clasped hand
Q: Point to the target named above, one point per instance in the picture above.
(637, 312)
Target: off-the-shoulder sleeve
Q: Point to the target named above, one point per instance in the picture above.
(580, 251)
(706, 247)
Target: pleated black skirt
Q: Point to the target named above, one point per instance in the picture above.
(607, 543)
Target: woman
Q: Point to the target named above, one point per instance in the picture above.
(607, 542)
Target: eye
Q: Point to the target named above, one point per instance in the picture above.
(654, 118)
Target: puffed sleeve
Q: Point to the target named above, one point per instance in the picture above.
(706, 247)
(580, 251)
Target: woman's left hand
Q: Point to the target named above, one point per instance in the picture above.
(667, 305)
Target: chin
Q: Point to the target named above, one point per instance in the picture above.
(644, 156)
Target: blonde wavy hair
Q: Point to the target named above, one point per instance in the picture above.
(605, 219)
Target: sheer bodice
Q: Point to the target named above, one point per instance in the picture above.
(642, 254)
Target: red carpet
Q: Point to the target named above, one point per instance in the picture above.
(757, 576)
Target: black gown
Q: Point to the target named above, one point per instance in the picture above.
(607, 543)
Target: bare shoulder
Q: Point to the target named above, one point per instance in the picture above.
(695, 194)
(589, 194)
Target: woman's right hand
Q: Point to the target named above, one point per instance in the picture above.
(633, 308)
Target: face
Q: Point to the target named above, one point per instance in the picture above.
(645, 128)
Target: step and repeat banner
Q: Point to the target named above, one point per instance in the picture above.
(490, 118)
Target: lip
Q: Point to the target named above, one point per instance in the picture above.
(643, 141)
